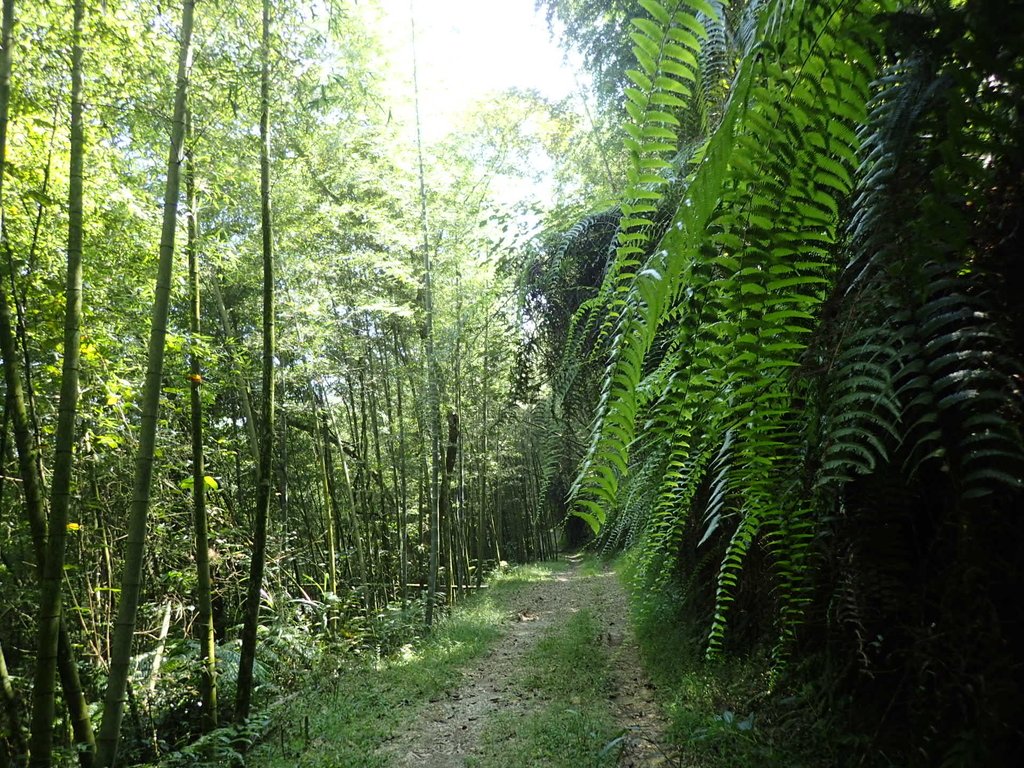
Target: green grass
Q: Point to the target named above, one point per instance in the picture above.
(568, 674)
(592, 566)
(356, 707)
(556, 736)
(570, 663)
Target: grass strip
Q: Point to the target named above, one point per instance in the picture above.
(569, 721)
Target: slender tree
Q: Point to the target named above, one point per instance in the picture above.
(207, 641)
(12, 707)
(243, 699)
(322, 447)
(355, 531)
(446, 511)
(481, 519)
(403, 537)
(131, 580)
(25, 440)
(427, 333)
(74, 697)
(44, 689)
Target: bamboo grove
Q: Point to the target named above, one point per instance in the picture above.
(278, 447)
(281, 384)
(802, 331)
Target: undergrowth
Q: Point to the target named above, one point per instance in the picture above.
(351, 703)
(726, 713)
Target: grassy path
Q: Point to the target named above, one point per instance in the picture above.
(581, 697)
(539, 670)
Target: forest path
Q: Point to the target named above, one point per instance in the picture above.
(452, 731)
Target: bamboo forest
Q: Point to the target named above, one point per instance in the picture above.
(356, 417)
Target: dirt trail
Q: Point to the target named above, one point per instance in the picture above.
(448, 731)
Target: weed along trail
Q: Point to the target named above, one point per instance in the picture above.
(562, 686)
(540, 670)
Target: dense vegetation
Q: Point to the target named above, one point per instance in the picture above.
(781, 268)
(803, 337)
(321, 423)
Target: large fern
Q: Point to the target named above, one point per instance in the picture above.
(813, 337)
(924, 371)
(744, 263)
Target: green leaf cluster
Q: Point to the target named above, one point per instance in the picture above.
(783, 333)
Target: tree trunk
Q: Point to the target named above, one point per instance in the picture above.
(44, 688)
(363, 470)
(321, 445)
(12, 706)
(131, 583)
(397, 462)
(427, 332)
(387, 570)
(158, 654)
(444, 509)
(459, 542)
(481, 533)
(26, 444)
(353, 520)
(498, 522)
(243, 701)
(282, 473)
(446, 512)
(201, 525)
(403, 470)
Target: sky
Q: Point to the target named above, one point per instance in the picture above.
(466, 49)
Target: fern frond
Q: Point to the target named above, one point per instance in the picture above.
(714, 68)
(745, 265)
(729, 574)
(925, 374)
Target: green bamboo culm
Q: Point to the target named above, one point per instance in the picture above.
(427, 334)
(44, 688)
(243, 698)
(28, 465)
(200, 518)
(131, 580)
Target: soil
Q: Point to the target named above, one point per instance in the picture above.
(448, 730)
